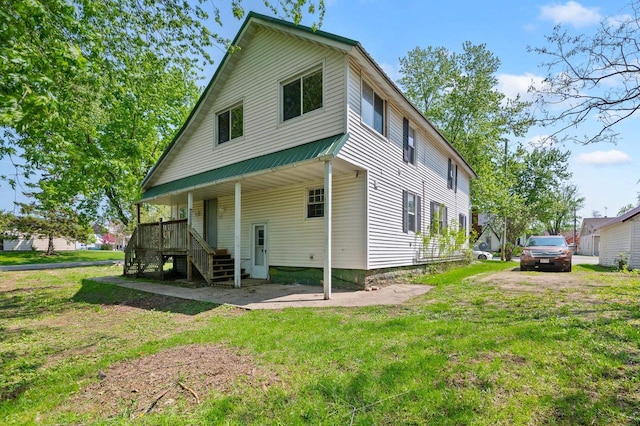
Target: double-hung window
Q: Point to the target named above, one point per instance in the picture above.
(315, 203)
(302, 95)
(450, 175)
(438, 217)
(411, 212)
(462, 222)
(230, 124)
(408, 142)
(372, 109)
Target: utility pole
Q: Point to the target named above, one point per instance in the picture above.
(503, 255)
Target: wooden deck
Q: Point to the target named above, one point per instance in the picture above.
(152, 244)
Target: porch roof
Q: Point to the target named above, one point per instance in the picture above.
(313, 150)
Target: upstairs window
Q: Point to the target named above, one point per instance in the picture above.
(302, 95)
(411, 212)
(230, 124)
(455, 180)
(315, 203)
(372, 109)
(450, 175)
(408, 142)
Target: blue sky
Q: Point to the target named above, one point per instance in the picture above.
(607, 175)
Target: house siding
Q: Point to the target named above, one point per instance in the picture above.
(615, 240)
(266, 61)
(389, 175)
(292, 239)
(39, 244)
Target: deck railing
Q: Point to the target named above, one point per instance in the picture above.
(169, 236)
(201, 255)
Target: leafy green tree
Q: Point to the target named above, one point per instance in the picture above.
(7, 225)
(51, 216)
(591, 77)
(457, 93)
(560, 209)
(93, 91)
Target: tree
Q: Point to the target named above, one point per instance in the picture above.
(596, 213)
(457, 93)
(93, 91)
(591, 77)
(51, 217)
(7, 225)
(560, 209)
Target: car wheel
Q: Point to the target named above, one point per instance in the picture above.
(523, 268)
(568, 268)
(482, 257)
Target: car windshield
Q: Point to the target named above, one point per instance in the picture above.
(546, 241)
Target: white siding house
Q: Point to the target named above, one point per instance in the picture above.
(589, 236)
(620, 239)
(38, 244)
(306, 163)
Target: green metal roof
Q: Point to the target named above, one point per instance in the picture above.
(317, 149)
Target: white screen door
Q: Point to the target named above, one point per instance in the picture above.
(259, 266)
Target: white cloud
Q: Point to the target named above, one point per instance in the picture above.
(572, 13)
(604, 158)
(512, 85)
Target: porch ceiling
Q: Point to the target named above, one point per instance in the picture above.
(302, 164)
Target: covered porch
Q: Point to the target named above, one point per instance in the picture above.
(232, 211)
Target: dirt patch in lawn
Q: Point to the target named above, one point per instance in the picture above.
(572, 286)
(179, 377)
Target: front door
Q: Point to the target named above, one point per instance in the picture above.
(211, 222)
(259, 264)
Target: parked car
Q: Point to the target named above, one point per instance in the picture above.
(482, 255)
(546, 252)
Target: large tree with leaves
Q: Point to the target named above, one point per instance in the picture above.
(93, 91)
(591, 77)
(458, 93)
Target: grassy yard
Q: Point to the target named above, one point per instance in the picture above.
(29, 257)
(485, 346)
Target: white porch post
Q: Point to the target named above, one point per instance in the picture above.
(237, 246)
(189, 208)
(327, 228)
(189, 259)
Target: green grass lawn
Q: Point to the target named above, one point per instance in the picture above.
(29, 257)
(473, 350)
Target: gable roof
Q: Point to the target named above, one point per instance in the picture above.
(334, 41)
(593, 224)
(623, 218)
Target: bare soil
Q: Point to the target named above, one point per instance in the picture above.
(572, 286)
(181, 376)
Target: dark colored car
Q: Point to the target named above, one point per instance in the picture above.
(546, 252)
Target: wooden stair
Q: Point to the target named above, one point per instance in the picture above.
(223, 268)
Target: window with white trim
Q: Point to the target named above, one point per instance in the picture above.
(230, 124)
(373, 109)
(438, 217)
(411, 212)
(462, 221)
(302, 95)
(315, 203)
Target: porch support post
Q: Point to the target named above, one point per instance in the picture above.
(328, 173)
(138, 214)
(237, 247)
(189, 254)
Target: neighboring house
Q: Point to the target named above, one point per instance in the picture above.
(39, 244)
(589, 235)
(489, 239)
(620, 240)
(303, 162)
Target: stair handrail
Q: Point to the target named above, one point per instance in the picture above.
(201, 242)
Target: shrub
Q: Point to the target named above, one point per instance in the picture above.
(106, 247)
